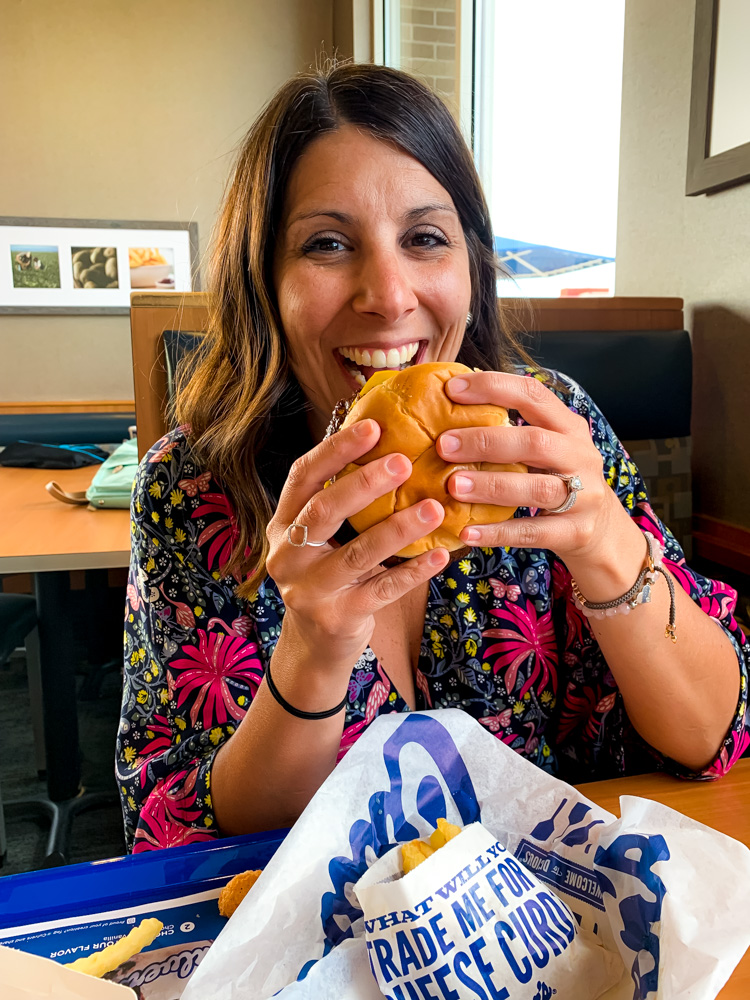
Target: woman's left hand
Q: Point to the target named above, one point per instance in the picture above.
(554, 440)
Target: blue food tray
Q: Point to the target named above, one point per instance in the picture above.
(99, 886)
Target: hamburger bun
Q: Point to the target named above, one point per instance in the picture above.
(413, 410)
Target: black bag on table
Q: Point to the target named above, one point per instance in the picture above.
(32, 455)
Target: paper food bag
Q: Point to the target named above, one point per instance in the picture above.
(472, 920)
(665, 893)
(29, 977)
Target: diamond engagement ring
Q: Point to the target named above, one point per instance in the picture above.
(574, 484)
(300, 530)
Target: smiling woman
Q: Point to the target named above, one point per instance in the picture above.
(355, 240)
(371, 269)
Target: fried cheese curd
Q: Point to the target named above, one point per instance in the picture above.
(235, 891)
(417, 851)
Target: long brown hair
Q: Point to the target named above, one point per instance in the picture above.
(240, 398)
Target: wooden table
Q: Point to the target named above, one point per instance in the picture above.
(40, 535)
(723, 805)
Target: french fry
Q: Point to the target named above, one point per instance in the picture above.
(109, 958)
(145, 256)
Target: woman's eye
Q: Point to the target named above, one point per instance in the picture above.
(428, 239)
(324, 244)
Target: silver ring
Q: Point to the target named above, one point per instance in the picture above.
(574, 484)
(304, 542)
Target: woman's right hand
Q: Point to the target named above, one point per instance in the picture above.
(331, 593)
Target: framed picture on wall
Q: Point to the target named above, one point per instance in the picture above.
(84, 266)
(719, 137)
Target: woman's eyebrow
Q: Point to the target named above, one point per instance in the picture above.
(317, 213)
(412, 215)
(417, 213)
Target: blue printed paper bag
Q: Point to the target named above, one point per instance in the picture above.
(665, 894)
(472, 920)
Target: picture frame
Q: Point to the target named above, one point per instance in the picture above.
(712, 105)
(89, 266)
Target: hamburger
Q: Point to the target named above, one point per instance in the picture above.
(413, 410)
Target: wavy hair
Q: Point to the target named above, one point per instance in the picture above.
(244, 406)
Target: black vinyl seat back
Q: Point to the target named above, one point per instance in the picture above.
(178, 345)
(640, 379)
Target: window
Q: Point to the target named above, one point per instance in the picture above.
(537, 88)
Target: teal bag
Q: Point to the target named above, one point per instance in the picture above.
(112, 484)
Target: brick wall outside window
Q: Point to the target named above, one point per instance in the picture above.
(429, 48)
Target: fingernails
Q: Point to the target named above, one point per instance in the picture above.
(449, 443)
(397, 465)
(436, 557)
(427, 511)
(462, 484)
(457, 385)
(363, 428)
(470, 534)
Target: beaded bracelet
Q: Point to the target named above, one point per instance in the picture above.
(639, 593)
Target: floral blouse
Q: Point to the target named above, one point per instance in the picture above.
(503, 641)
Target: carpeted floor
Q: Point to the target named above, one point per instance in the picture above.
(96, 834)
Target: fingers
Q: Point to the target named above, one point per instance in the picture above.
(509, 489)
(534, 446)
(558, 533)
(394, 583)
(357, 558)
(311, 471)
(533, 400)
(326, 510)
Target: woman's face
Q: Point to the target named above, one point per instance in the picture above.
(371, 267)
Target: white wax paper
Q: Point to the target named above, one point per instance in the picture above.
(670, 895)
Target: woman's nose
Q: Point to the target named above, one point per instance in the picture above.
(385, 288)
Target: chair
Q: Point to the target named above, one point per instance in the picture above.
(18, 626)
(151, 314)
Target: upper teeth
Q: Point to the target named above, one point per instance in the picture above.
(378, 358)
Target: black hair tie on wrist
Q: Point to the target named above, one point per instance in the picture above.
(298, 713)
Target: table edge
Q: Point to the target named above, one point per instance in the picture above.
(46, 563)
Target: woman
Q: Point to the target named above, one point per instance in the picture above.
(355, 236)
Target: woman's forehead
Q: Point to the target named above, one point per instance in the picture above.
(351, 171)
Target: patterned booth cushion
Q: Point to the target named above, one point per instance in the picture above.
(664, 464)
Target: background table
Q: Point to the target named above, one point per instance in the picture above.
(40, 535)
(723, 805)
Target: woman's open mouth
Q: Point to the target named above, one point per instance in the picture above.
(361, 363)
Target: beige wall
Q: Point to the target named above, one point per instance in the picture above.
(128, 111)
(697, 248)
(353, 30)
